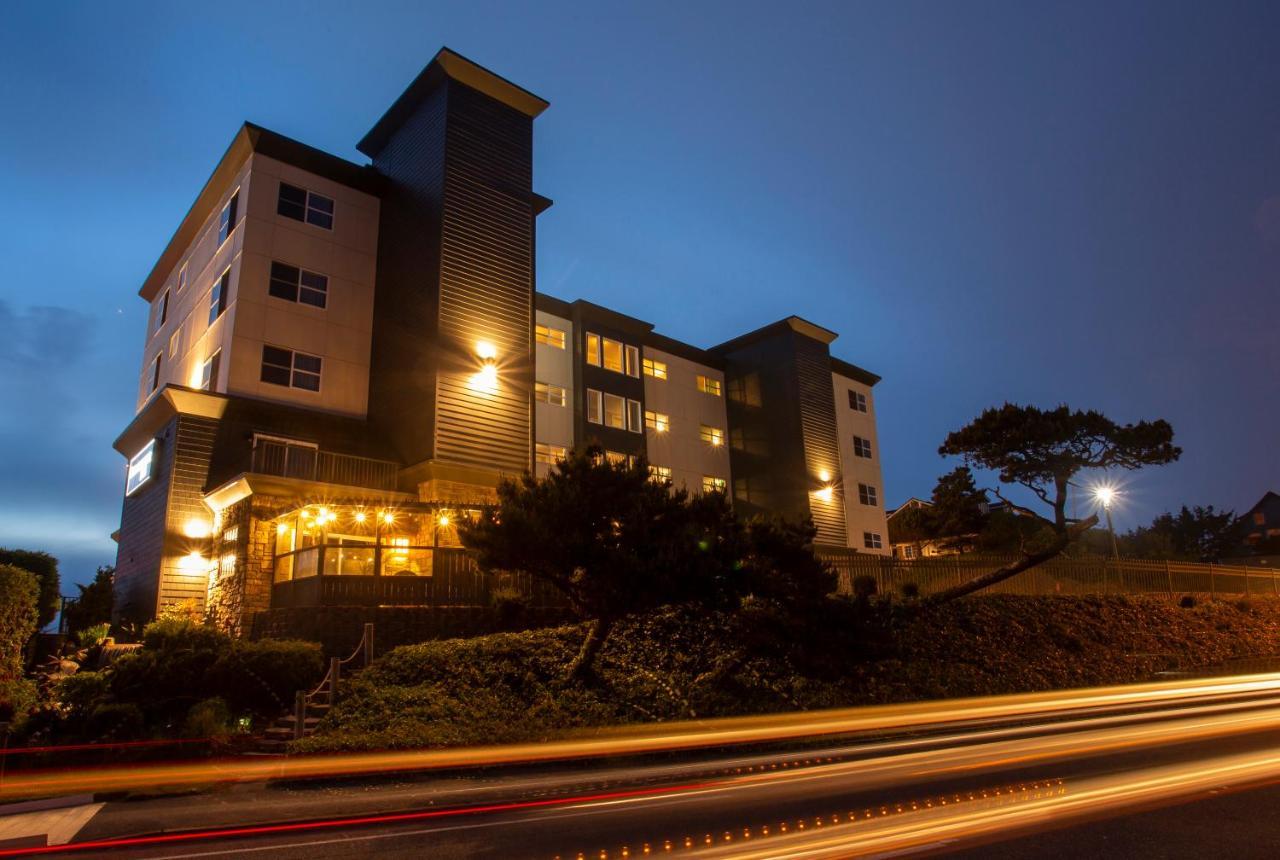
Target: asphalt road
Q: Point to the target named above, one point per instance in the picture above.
(1094, 780)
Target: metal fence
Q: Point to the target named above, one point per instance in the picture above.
(1070, 576)
(271, 457)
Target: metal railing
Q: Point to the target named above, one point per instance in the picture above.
(272, 457)
(1069, 576)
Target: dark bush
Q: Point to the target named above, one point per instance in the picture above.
(207, 719)
(864, 586)
(178, 633)
(1244, 605)
(262, 677)
(115, 721)
(1188, 601)
(910, 590)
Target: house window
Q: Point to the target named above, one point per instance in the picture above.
(545, 392)
(549, 336)
(712, 485)
(861, 447)
(595, 411)
(162, 310)
(656, 369)
(616, 458)
(182, 278)
(227, 220)
(593, 349)
(633, 361)
(657, 422)
(302, 205)
(635, 420)
(867, 494)
(298, 285)
(289, 368)
(1259, 518)
(712, 435)
(218, 296)
(154, 375)
(549, 454)
(209, 372)
(659, 474)
(175, 341)
(612, 352)
(707, 385)
(871, 540)
(615, 409)
(857, 401)
(910, 551)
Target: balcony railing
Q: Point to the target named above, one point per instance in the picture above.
(287, 460)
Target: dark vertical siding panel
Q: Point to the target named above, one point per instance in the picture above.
(821, 440)
(192, 450)
(142, 537)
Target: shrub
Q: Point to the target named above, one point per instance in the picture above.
(177, 632)
(91, 637)
(509, 606)
(17, 697)
(864, 586)
(261, 677)
(910, 590)
(207, 719)
(116, 721)
(1188, 601)
(18, 595)
(44, 568)
(80, 693)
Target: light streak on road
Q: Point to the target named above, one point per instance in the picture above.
(662, 737)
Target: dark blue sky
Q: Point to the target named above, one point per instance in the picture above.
(1038, 202)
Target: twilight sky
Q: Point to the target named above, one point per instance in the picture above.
(1040, 202)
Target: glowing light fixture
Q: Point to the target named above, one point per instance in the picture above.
(360, 516)
(1104, 495)
(192, 563)
(388, 517)
(487, 351)
(196, 528)
(825, 494)
(281, 529)
(444, 520)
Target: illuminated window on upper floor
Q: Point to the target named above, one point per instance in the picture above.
(227, 219)
(707, 385)
(549, 454)
(632, 354)
(549, 336)
(545, 392)
(289, 368)
(712, 484)
(656, 369)
(209, 372)
(612, 355)
(857, 401)
(711, 435)
(660, 474)
(302, 205)
(656, 421)
(615, 411)
(615, 458)
(175, 342)
(861, 447)
(871, 540)
(867, 494)
(612, 352)
(298, 285)
(595, 409)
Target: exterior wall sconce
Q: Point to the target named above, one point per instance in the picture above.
(485, 380)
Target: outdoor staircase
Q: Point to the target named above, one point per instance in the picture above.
(310, 707)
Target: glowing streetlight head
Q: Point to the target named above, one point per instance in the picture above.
(1105, 495)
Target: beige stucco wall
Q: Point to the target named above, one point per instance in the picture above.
(860, 518)
(553, 425)
(681, 448)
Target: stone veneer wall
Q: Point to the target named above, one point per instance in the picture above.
(245, 589)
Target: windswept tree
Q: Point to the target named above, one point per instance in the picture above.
(1043, 450)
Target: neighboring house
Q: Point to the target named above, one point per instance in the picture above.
(911, 550)
(341, 359)
(1262, 525)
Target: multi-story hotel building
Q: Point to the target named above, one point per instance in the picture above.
(340, 357)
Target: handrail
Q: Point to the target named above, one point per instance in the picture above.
(303, 700)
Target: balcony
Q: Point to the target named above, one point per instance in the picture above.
(306, 462)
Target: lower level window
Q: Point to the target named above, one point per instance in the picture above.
(871, 540)
(712, 484)
(909, 551)
(660, 474)
(289, 368)
(209, 372)
(548, 453)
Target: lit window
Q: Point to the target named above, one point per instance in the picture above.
(633, 361)
(612, 351)
(302, 205)
(659, 474)
(595, 412)
(867, 494)
(635, 421)
(657, 422)
(615, 411)
(909, 551)
(593, 349)
(289, 368)
(707, 385)
(615, 458)
(298, 285)
(218, 296)
(857, 401)
(154, 375)
(227, 220)
(182, 278)
(162, 310)
(175, 341)
(545, 392)
(548, 453)
(712, 435)
(871, 540)
(549, 336)
(656, 369)
(712, 485)
(141, 468)
(209, 372)
(861, 447)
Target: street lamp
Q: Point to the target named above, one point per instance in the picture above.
(1105, 496)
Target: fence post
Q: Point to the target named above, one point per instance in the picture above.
(335, 668)
(368, 643)
(299, 714)
(1212, 591)
(1273, 583)
(1168, 577)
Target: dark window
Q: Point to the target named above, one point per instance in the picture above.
(227, 220)
(293, 369)
(861, 447)
(209, 373)
(298, 285)
(867, 494)
(857, 401)
(218, 297)
(314, 289)
(303, 205)
(162, 311)
(155, 374)
(871, 540)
